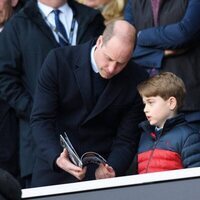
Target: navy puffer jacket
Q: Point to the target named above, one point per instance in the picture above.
(176, 146)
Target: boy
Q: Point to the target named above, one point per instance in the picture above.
(167, 142)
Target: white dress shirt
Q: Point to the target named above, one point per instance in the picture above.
(93, 63)
(66, 17)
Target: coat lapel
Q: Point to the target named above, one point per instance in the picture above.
(82, 72)
(34, 14)
(83, 79)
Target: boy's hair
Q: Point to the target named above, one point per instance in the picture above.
(164, 85)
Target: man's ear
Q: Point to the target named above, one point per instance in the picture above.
(99, 42)
(172, 103)
(14, 3)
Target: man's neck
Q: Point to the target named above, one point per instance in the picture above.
(53, 3)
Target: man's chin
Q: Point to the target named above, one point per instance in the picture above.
(106, 76)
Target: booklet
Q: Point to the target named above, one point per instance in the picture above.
(85, 159)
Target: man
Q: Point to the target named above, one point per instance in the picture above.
(25, 42)
(91, 94)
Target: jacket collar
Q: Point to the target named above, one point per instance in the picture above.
(169, 124)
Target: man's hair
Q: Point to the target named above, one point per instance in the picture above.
(127, 33)
(108, 32)
(164, 85)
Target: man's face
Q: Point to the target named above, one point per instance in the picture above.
(5, 11)
(53, 3)
(112, 57)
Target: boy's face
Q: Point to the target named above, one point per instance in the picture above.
(158, 110)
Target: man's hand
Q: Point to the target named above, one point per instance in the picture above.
(104, 171)
(64, 163)
(168, 53)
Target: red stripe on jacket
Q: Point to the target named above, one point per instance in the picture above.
(158, 160)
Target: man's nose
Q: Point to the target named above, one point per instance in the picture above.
(112, 67)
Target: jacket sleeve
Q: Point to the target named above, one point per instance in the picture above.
(43, 117)
(191, 151)
(11, 85)
(174, 35)
(148, 56)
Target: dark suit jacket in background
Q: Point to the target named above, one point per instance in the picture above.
(9, 139)
(64, 101)
(25, 42)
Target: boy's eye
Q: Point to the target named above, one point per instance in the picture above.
(150, 102)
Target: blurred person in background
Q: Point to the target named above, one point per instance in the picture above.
(110, 9)
(6, 11)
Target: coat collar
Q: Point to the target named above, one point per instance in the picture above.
(32, 11)
(170, 123)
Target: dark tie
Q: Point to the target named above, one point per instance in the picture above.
(62, 35)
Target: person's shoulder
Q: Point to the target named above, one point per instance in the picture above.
(75, 49)
(185, 130)
(69, 54)
(9, 186)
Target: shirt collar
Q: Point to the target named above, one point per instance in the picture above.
(47, 9)
(93, 63)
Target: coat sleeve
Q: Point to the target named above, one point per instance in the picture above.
(11, 85)
(44, 112)
(176, 35)
(191, 151)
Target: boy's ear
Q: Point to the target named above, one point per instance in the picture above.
(172, 103)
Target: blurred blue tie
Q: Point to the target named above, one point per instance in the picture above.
(62, 35)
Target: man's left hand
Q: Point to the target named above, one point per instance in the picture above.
(104, 171)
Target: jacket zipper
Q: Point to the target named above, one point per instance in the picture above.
(153, 149)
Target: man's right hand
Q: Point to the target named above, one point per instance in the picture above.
(64, 163)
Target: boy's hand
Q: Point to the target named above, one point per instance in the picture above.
(64, 163)
(104, 171)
